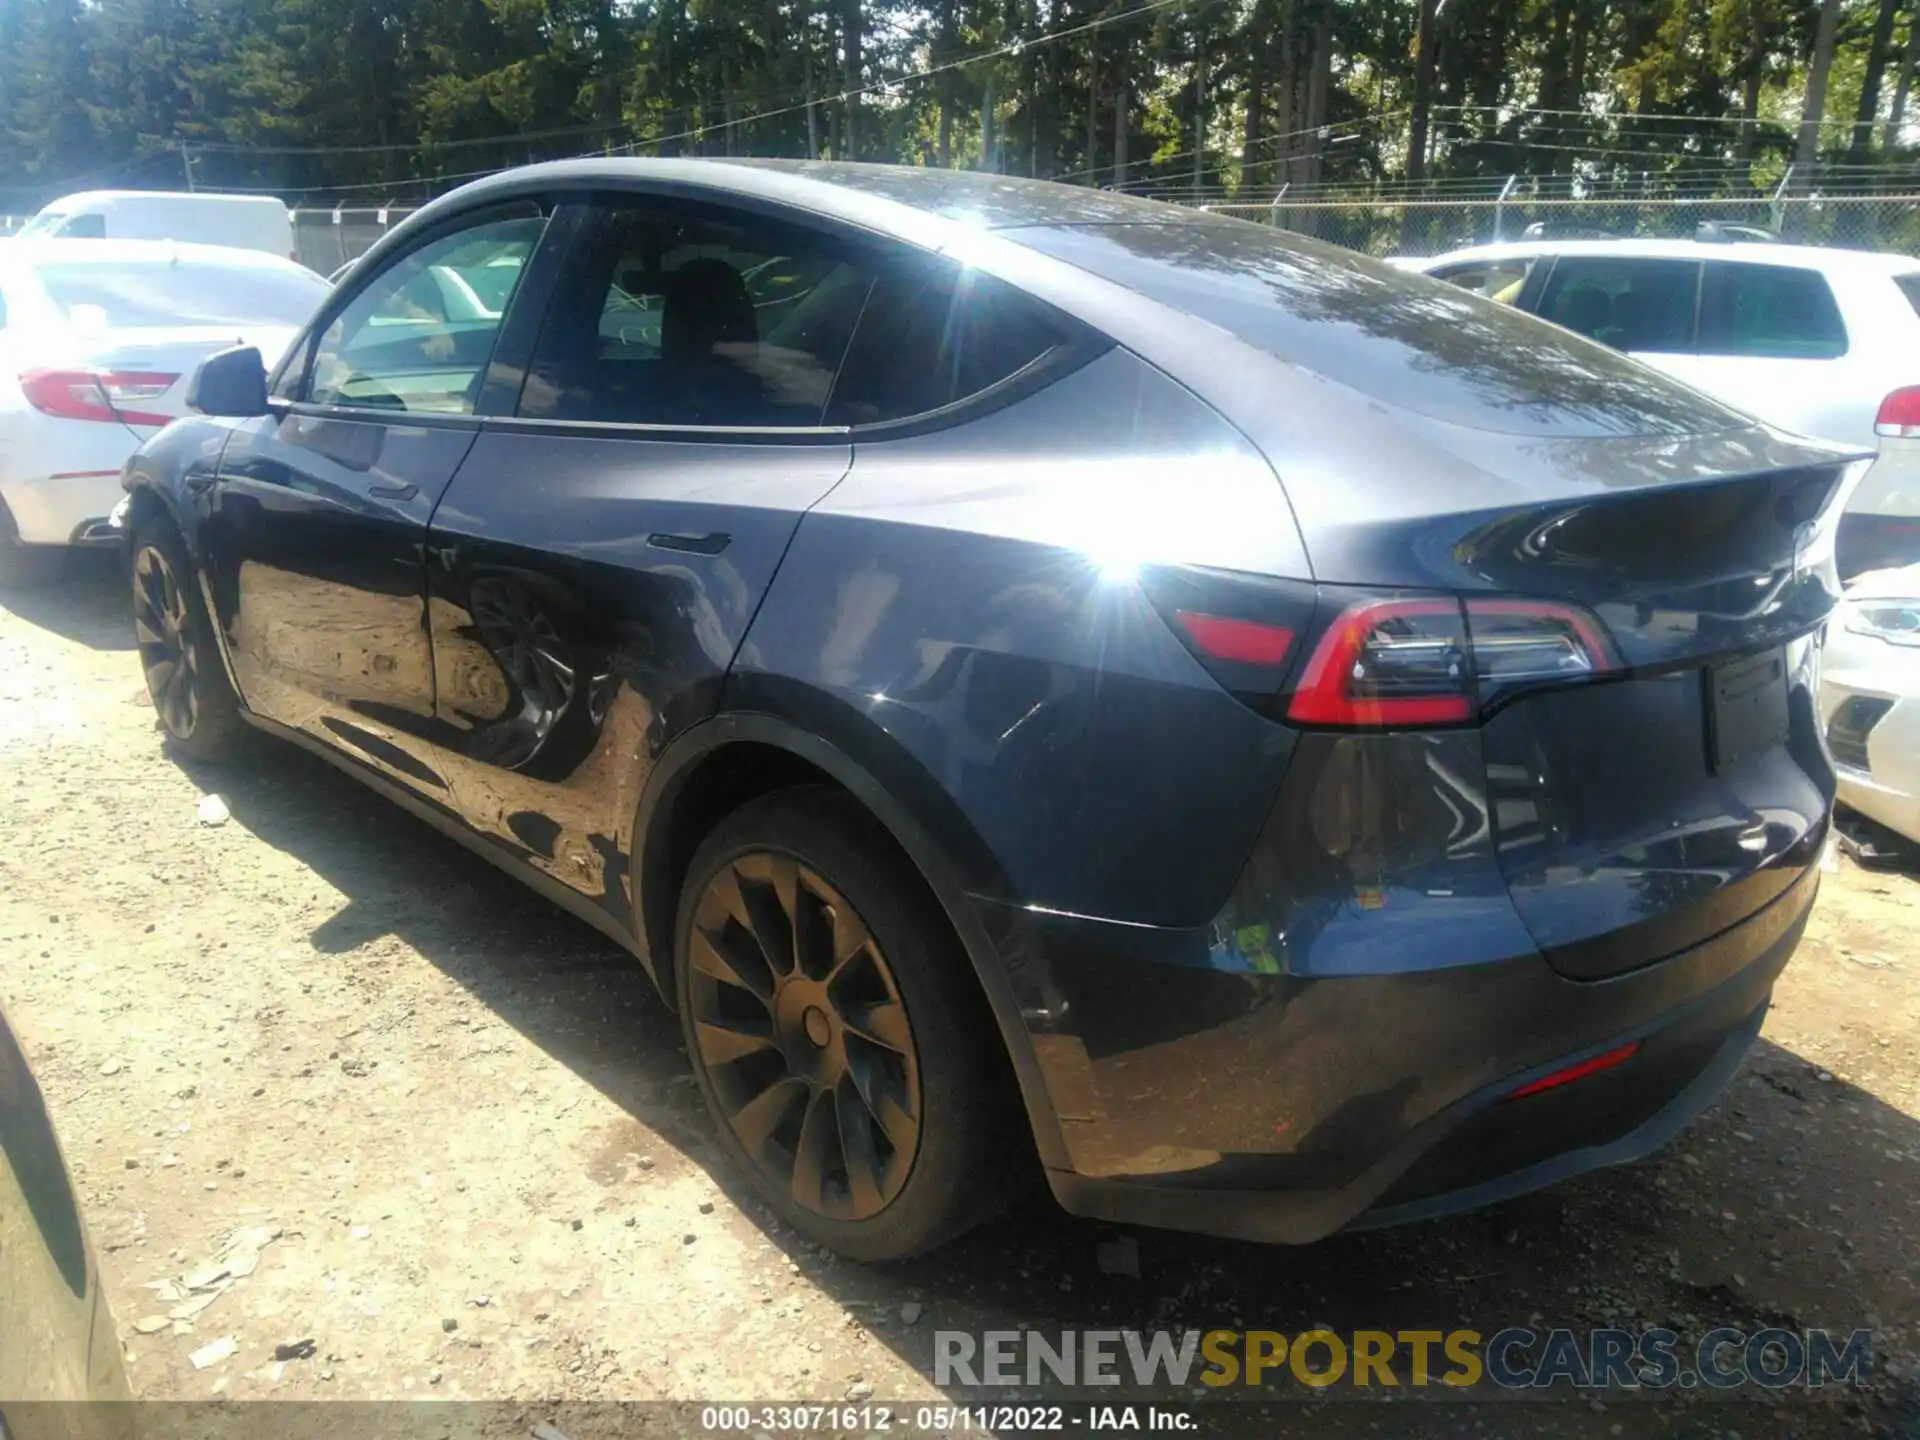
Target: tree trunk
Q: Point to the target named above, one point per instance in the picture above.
(1091, 158)
(987, 137)
(1423, 38)
(1033, 88)
(1753, 71)
(853, 23)
(1122, 108)
(1199, 112)
(1806, 154)
(1250, 143)
(1318, 83)
(1878, 52)
(1904, 85)
(946, 84)
(813, 118)
(1288, 113)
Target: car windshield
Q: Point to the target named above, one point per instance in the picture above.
(45, 223)
(137, 294)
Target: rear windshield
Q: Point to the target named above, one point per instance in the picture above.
(1407, 340)
(1910, 287)
(135, 294)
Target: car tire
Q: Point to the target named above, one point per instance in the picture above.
(837, 1032)
(186, 680)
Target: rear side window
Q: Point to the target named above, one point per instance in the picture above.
(130, 294)
(1910, 287)
(936, 333)
(668, 318)
(84, 227)
(1769, 311)
(1630, 304)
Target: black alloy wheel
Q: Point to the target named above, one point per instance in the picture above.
(799, 1026)
(160, 630)
(838, 1033)
(191, 693)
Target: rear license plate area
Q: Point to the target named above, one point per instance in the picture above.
(1746, 707)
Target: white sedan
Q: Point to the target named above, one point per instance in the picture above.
(1870, 697)
(98, 343)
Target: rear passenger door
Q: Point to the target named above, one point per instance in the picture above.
(595, 562)
(1641, 305)
(1772, 341)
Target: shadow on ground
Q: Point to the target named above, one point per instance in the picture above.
(1788, 1205)
(87, 603)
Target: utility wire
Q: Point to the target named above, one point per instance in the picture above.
(882, 87)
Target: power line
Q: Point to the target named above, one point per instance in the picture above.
(1262, 140)
(1630, 115)
(1012, 47)
(557, 132)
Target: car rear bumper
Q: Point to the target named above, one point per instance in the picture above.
(68, 508)
(1282, 1108)
(1881, 528)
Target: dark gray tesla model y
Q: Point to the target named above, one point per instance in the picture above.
(1321, 747)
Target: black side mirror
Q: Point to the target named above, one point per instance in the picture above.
(230, 382)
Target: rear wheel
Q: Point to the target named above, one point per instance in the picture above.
(189, 687)
(837, 1034)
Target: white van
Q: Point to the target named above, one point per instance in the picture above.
(247, 222)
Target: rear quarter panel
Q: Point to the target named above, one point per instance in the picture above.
(961, 616)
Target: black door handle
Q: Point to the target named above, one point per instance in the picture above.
(710, 544)
(393, 492)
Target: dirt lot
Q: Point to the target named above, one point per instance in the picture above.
(443, 1131)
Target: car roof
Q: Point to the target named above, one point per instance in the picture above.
(195, 197)
(1808, 257)
(885, 198)
(30, 250)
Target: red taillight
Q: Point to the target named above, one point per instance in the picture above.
(1399, 663)
(1900, 414)
(96, 394)
(1388, 663)
(1523, 644)
(1244, 642)
(1618, 1056)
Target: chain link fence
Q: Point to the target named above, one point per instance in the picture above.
(1433, 227)
(326, 240)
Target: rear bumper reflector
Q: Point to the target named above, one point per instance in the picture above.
(1617, 1056)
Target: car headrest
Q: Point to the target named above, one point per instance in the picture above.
(704, 303)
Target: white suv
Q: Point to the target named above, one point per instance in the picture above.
(1821, 342)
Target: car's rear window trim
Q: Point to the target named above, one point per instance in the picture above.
(642, 430)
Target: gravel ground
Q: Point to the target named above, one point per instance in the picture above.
(439, 1129)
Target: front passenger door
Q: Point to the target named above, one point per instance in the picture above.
(316, 523)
